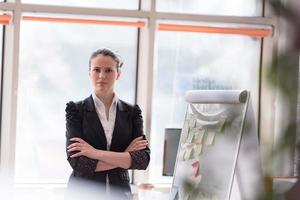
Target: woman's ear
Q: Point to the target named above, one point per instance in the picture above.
(119, 74)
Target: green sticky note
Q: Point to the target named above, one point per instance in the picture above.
(222, 125)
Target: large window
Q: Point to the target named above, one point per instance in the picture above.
(212, 7)
(118, 4)
(1, 43)
(1, 58)
(188, 61)
(54, 70)
(47, 45)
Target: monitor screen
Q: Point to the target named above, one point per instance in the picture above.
(172, 137)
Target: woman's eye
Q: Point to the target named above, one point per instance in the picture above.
(108, 70)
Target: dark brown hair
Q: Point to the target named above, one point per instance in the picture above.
(107, 52)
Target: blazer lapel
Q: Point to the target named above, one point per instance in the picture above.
(121, 119)
(94, 121)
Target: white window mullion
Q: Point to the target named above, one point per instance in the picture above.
(145, 76)
(10, 86)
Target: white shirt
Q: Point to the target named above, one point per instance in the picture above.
(107, 124)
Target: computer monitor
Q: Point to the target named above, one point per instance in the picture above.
(172, 137)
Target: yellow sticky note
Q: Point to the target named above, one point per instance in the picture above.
(181, 155)
(214, 197)
(197, 150)
(186, 196)
(194, 139)
(195, 181)
(198, 124)
(187, 154)
(192, 121)
(191, 136)
(209, 137)
(192, 154)
(186, 126)
(185, 134)
(200, 135)
(188, 116)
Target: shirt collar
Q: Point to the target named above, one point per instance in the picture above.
(99, 103)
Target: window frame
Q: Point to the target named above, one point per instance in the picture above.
(145, 64)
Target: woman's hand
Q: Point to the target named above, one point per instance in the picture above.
(137, 144)
(84, 148)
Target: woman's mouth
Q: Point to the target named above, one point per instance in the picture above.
(101, 83)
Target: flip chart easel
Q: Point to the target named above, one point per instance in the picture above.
(214, 142)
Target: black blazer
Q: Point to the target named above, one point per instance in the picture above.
(82, 121)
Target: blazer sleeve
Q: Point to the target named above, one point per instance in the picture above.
(140, 159)
(82, 164)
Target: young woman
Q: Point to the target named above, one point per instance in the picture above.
(105, 134)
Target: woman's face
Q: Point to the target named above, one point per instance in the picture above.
(103, 74)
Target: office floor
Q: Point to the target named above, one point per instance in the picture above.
(57, 192)
(151, 192)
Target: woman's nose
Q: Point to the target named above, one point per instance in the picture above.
(102, 74)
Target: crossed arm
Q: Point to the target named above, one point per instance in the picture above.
(86, 159)
(106, 159)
